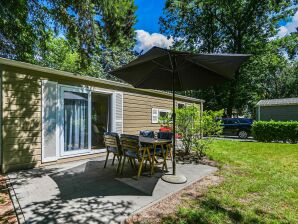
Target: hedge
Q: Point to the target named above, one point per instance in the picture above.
(268, 131)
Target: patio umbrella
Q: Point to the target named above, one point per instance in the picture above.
(164, 69)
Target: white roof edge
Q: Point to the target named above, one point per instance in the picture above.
(28, 66)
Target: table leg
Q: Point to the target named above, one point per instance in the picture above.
(153, 159)
(141, 164)
(164, 154)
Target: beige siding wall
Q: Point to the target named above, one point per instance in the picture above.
(137, 111)
(21, 124)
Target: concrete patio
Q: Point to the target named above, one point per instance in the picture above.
(84, 192)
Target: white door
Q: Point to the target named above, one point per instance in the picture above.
(75, 120)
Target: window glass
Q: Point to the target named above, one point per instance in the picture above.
(163, 114)
(181, 105)
(75, 121)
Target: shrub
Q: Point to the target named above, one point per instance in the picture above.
(268, 131)
(190, 125)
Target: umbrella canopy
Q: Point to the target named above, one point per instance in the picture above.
(154, 69)
(164, 69)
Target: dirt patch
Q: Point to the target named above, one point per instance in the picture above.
(169, 205)
(7, 214)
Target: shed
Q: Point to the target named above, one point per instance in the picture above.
(285, 109)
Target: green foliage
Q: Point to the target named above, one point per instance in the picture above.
(87, 37)
(268, 131)
(165, 121)
(93, 26)
(191, 125)
(211, 127)
(188, 124)
(18, 33)
(235, 27)
(59, 55)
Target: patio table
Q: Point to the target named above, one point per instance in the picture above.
(156, 142)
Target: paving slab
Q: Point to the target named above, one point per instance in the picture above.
(85, 192)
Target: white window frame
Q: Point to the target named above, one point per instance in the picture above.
(158, 114)
(62, 89)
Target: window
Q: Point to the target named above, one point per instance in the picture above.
(159, 113)
(231, 121)
(180, 105)
(75, 121)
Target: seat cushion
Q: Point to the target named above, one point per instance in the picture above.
(148, 134)
(130, 153)
(112, 149)
(165, 135)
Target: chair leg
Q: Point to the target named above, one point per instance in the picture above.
(131, 163)
(107, 157)
(123, 164)
(113, 160)
(119, 163)
(135, 164)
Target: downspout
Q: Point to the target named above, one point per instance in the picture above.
(258, 112)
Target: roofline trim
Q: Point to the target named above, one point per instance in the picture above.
(28, 66)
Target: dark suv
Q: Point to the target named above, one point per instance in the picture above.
(237, 126)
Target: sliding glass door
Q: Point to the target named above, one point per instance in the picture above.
(75, 120)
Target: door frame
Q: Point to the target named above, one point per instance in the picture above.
(62, 89)
(111, 111)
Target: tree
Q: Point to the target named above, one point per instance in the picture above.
(22, 26)
(88, 37)
(58, 54)
(238, 26)
(92, 26)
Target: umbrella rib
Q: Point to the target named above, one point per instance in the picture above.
(161, 66)
(206, 67)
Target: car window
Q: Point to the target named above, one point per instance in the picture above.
(236, 121)
(225, 121)
(233, 121)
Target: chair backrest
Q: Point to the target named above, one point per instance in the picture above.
(111, 139)
(130, 142)
(146, 133)
(165, 135)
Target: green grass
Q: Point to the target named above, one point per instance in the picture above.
(260, 186)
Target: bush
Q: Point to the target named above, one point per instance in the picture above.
(268, 131)
(190, 125)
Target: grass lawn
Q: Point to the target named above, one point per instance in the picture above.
(260, 186)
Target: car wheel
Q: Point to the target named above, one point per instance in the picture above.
(242, 134)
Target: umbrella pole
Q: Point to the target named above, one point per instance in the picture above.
(174, 126)
(174, 178)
